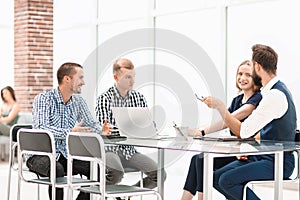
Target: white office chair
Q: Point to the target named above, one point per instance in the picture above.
(12, 149)
(293, 179)
(39, 142)
(90, 147)
(133, 170)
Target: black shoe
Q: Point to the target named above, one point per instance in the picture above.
(119, 198)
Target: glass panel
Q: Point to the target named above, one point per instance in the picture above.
(117, 10)
(7, 43)
(178, 5)
(195, 27)
(68, 13)
(262, 23)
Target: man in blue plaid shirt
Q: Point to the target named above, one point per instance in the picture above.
(61, 110)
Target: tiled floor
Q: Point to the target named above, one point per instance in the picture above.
(176, 172)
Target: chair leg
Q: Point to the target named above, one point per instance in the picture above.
(19, 188)
(9, 175)
(53, 192)
(38, 191)
(38, 187)
(142, 182)
(8, 183)
(158, 196)
(3, 152)
(10, 163)
(70, 194)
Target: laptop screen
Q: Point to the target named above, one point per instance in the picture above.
(134, 122)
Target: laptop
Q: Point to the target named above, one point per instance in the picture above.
(137, 122)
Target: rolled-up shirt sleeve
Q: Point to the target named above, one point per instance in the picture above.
(272, 106)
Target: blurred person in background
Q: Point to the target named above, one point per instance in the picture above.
(10, 108)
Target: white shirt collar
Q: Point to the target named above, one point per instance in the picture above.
(269, 85)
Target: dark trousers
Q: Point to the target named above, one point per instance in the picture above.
(231, 179)
(41, 166)
(194, 179)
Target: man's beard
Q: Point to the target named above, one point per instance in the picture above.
(76, 90)
(256, 79)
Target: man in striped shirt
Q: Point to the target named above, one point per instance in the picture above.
(121, 94)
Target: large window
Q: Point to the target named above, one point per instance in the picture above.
(274, 23)
(96, 32)
(225, 30)
(7, 43)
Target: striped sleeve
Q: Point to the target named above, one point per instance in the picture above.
(103, 110)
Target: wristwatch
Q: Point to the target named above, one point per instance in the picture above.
(202, 132)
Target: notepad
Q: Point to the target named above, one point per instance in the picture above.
(222, 138)
(115, 137)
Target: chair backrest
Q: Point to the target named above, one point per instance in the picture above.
(87, 145)
(297, 155)
(35, 140)
(14, 130)
(297, 136)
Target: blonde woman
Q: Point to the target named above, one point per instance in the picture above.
(241, 107)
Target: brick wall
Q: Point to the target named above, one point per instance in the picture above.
(33, 49)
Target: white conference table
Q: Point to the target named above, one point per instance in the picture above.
(212, 149)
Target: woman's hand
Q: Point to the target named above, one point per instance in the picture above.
(212, 102)
(194, 132)
(243, 157)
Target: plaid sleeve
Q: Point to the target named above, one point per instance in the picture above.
(43, 106)
(86, 116)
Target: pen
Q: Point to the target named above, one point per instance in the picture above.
(201, 99)
(175, 125)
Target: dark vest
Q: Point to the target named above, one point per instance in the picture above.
(284, 128)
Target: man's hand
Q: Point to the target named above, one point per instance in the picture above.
(79, 128)
(106, 128)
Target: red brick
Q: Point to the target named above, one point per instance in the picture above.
(33, 61)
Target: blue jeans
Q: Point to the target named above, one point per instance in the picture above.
(194, 179)
(231, 179)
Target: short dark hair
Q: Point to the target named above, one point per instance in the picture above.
(66, 69)
(266, 57)
(11, 91)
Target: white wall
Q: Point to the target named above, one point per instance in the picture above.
(80, 27)
(274, 23)
(6, 43)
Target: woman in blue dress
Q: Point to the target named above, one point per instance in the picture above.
(241, 107)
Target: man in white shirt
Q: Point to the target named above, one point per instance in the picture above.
(274, 119)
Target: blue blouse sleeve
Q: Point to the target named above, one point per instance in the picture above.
(235, 103)
(254, 99)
